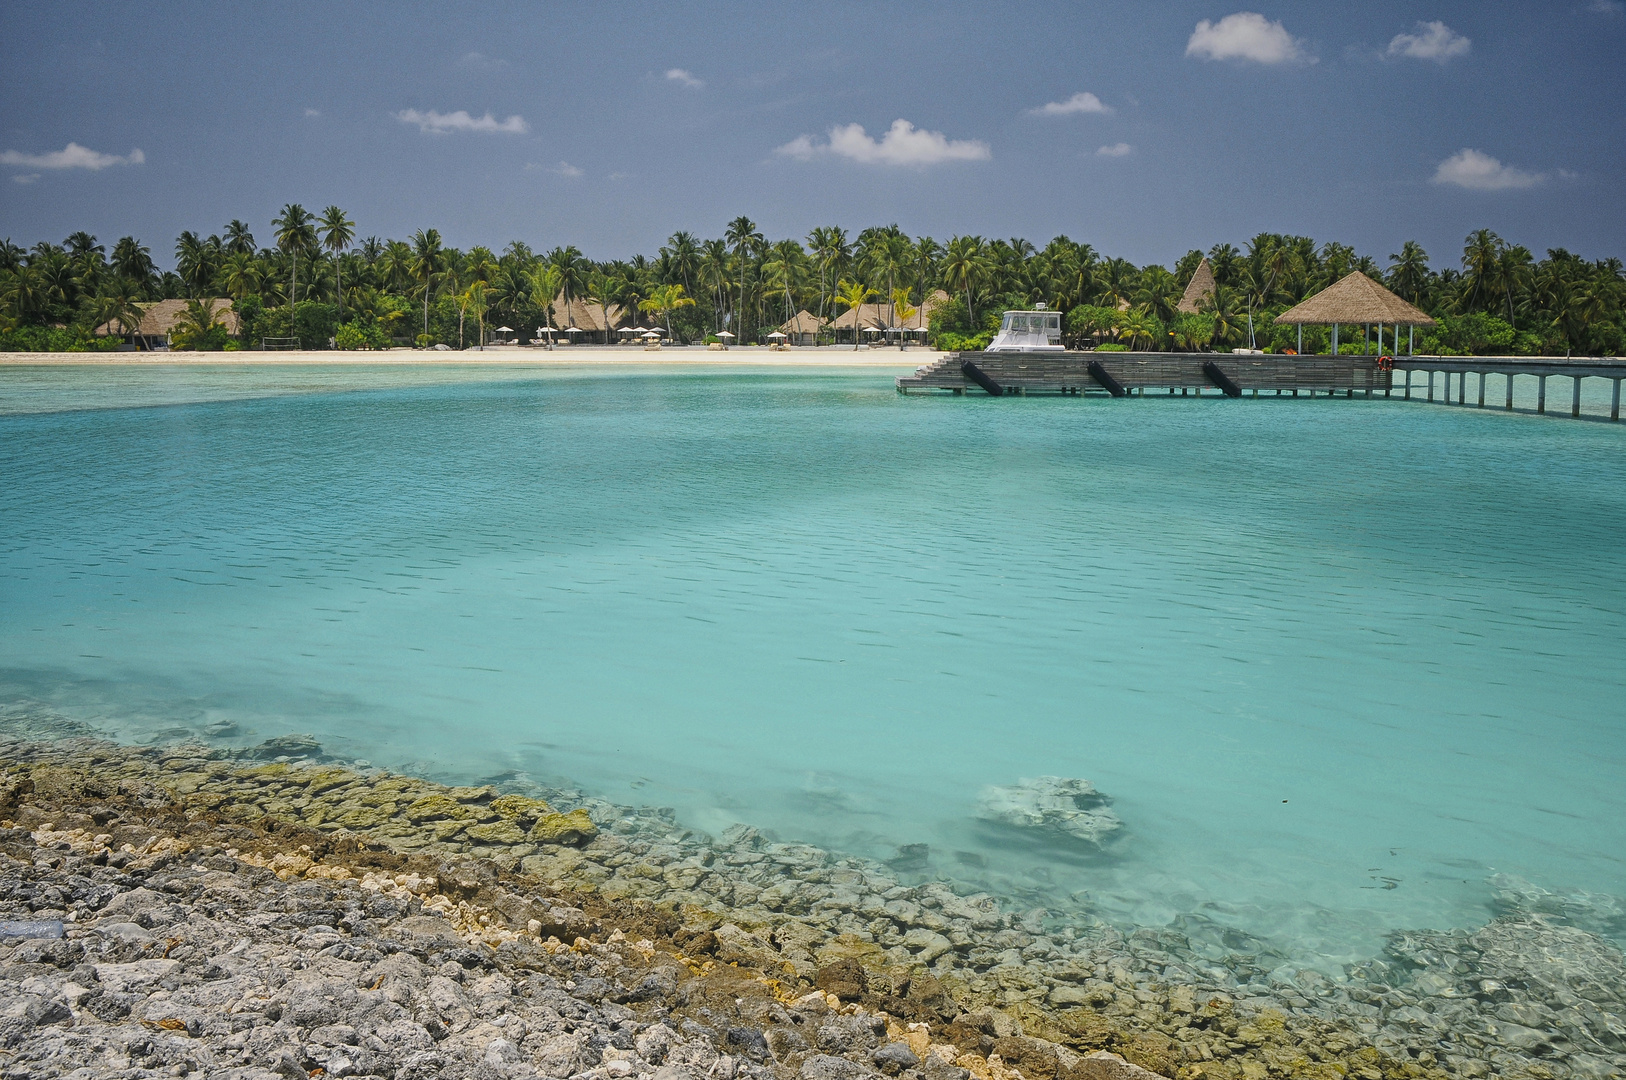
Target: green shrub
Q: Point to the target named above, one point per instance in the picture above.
(1112, 346)
(55, 339)
(351, 337)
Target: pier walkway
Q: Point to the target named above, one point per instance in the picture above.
(1123, 374)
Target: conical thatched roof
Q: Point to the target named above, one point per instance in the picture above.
(1199, 287)
(804, 323)
(1355, 299)
(158, 319)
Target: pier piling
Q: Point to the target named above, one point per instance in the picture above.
(1541, 393)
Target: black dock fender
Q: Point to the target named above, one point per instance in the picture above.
(1220, 379)
(980, 377)
(1104, 377)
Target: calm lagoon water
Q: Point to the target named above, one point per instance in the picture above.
(1336, 662)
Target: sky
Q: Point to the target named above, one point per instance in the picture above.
(1143, 129)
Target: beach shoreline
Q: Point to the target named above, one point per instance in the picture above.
(566, 356)
(1020, 995)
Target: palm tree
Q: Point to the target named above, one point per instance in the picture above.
(781, 271)
(192, 262)
(667, 299)
(1481, 253)
(545, 282)
(240, 275)
(683, 256)
(714, 271)
(853, 295)
(295, 235)
(118, 307)
(964, 265)
(238, 240)
(1138, 325)
(133, 262)
(1221, 308)
(336, 232)
(1408, 271)
(427, 265)
(572, 272)
(742, 233)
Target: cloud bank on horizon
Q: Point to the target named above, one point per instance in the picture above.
(903, 144)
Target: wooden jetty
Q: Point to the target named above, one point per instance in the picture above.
(1124, 374)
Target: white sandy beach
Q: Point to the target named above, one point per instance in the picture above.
(820, 356)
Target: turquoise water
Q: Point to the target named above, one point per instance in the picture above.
(1336, 662)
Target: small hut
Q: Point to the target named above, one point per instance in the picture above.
(158, 321)
(1355, 299)
(590, 317)
(802, 330)
(878, 316)
(1198, 289)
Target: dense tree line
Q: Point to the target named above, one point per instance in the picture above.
(316, 281)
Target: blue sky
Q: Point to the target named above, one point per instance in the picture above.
(1170, 126)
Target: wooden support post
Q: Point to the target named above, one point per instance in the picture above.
(1462, 388)
(1614, 402)
(1301, 339)
(1335, 339)
(1411, 341)
(1481, 389)
(1510, 391)
(1575, 402)
(1541, 393)
(1431, 386)
(1408, 384)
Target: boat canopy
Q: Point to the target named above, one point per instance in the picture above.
(1028, 331)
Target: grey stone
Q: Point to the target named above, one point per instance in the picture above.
(893, 1058)
(830, 1067)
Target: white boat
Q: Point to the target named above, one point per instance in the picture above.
(1036, 331)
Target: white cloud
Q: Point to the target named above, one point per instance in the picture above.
(1083, 102)
(621, 176)
(313, 112)
(565, 168)
(1246, 35)
(26, 178)
(903, 144)
(1606, 7)
(679, 75)
(1433, 41)
(73, 156)
(1481, 172)
(437, 123)
(1122, 149)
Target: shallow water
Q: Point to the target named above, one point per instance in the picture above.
(1336, 661)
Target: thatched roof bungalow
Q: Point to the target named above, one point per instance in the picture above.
(879, 316)
(158, 320)
(803, 329)
(597, 321)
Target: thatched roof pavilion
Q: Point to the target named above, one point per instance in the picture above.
(803, 329)
(1355, 299)
(1198, 289)
(158, 319)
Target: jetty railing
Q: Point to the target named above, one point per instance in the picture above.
(1250, 374)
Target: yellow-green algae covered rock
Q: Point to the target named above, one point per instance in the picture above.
(520, 808)
(571, 828)
(435, 808)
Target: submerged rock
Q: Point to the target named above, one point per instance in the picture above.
(1064, 806)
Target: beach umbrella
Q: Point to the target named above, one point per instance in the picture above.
(723, 333)
(573, 330)
(505, 329)
(776, 334)
(650, 333)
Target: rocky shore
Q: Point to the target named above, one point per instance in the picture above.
(226, 913)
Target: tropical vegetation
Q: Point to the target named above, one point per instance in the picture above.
(317, 283)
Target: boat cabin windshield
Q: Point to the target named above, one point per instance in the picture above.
(1029, 322)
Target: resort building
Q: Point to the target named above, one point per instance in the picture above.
(873, 322)
(802, 330)
(596, 324)
(158, 321)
